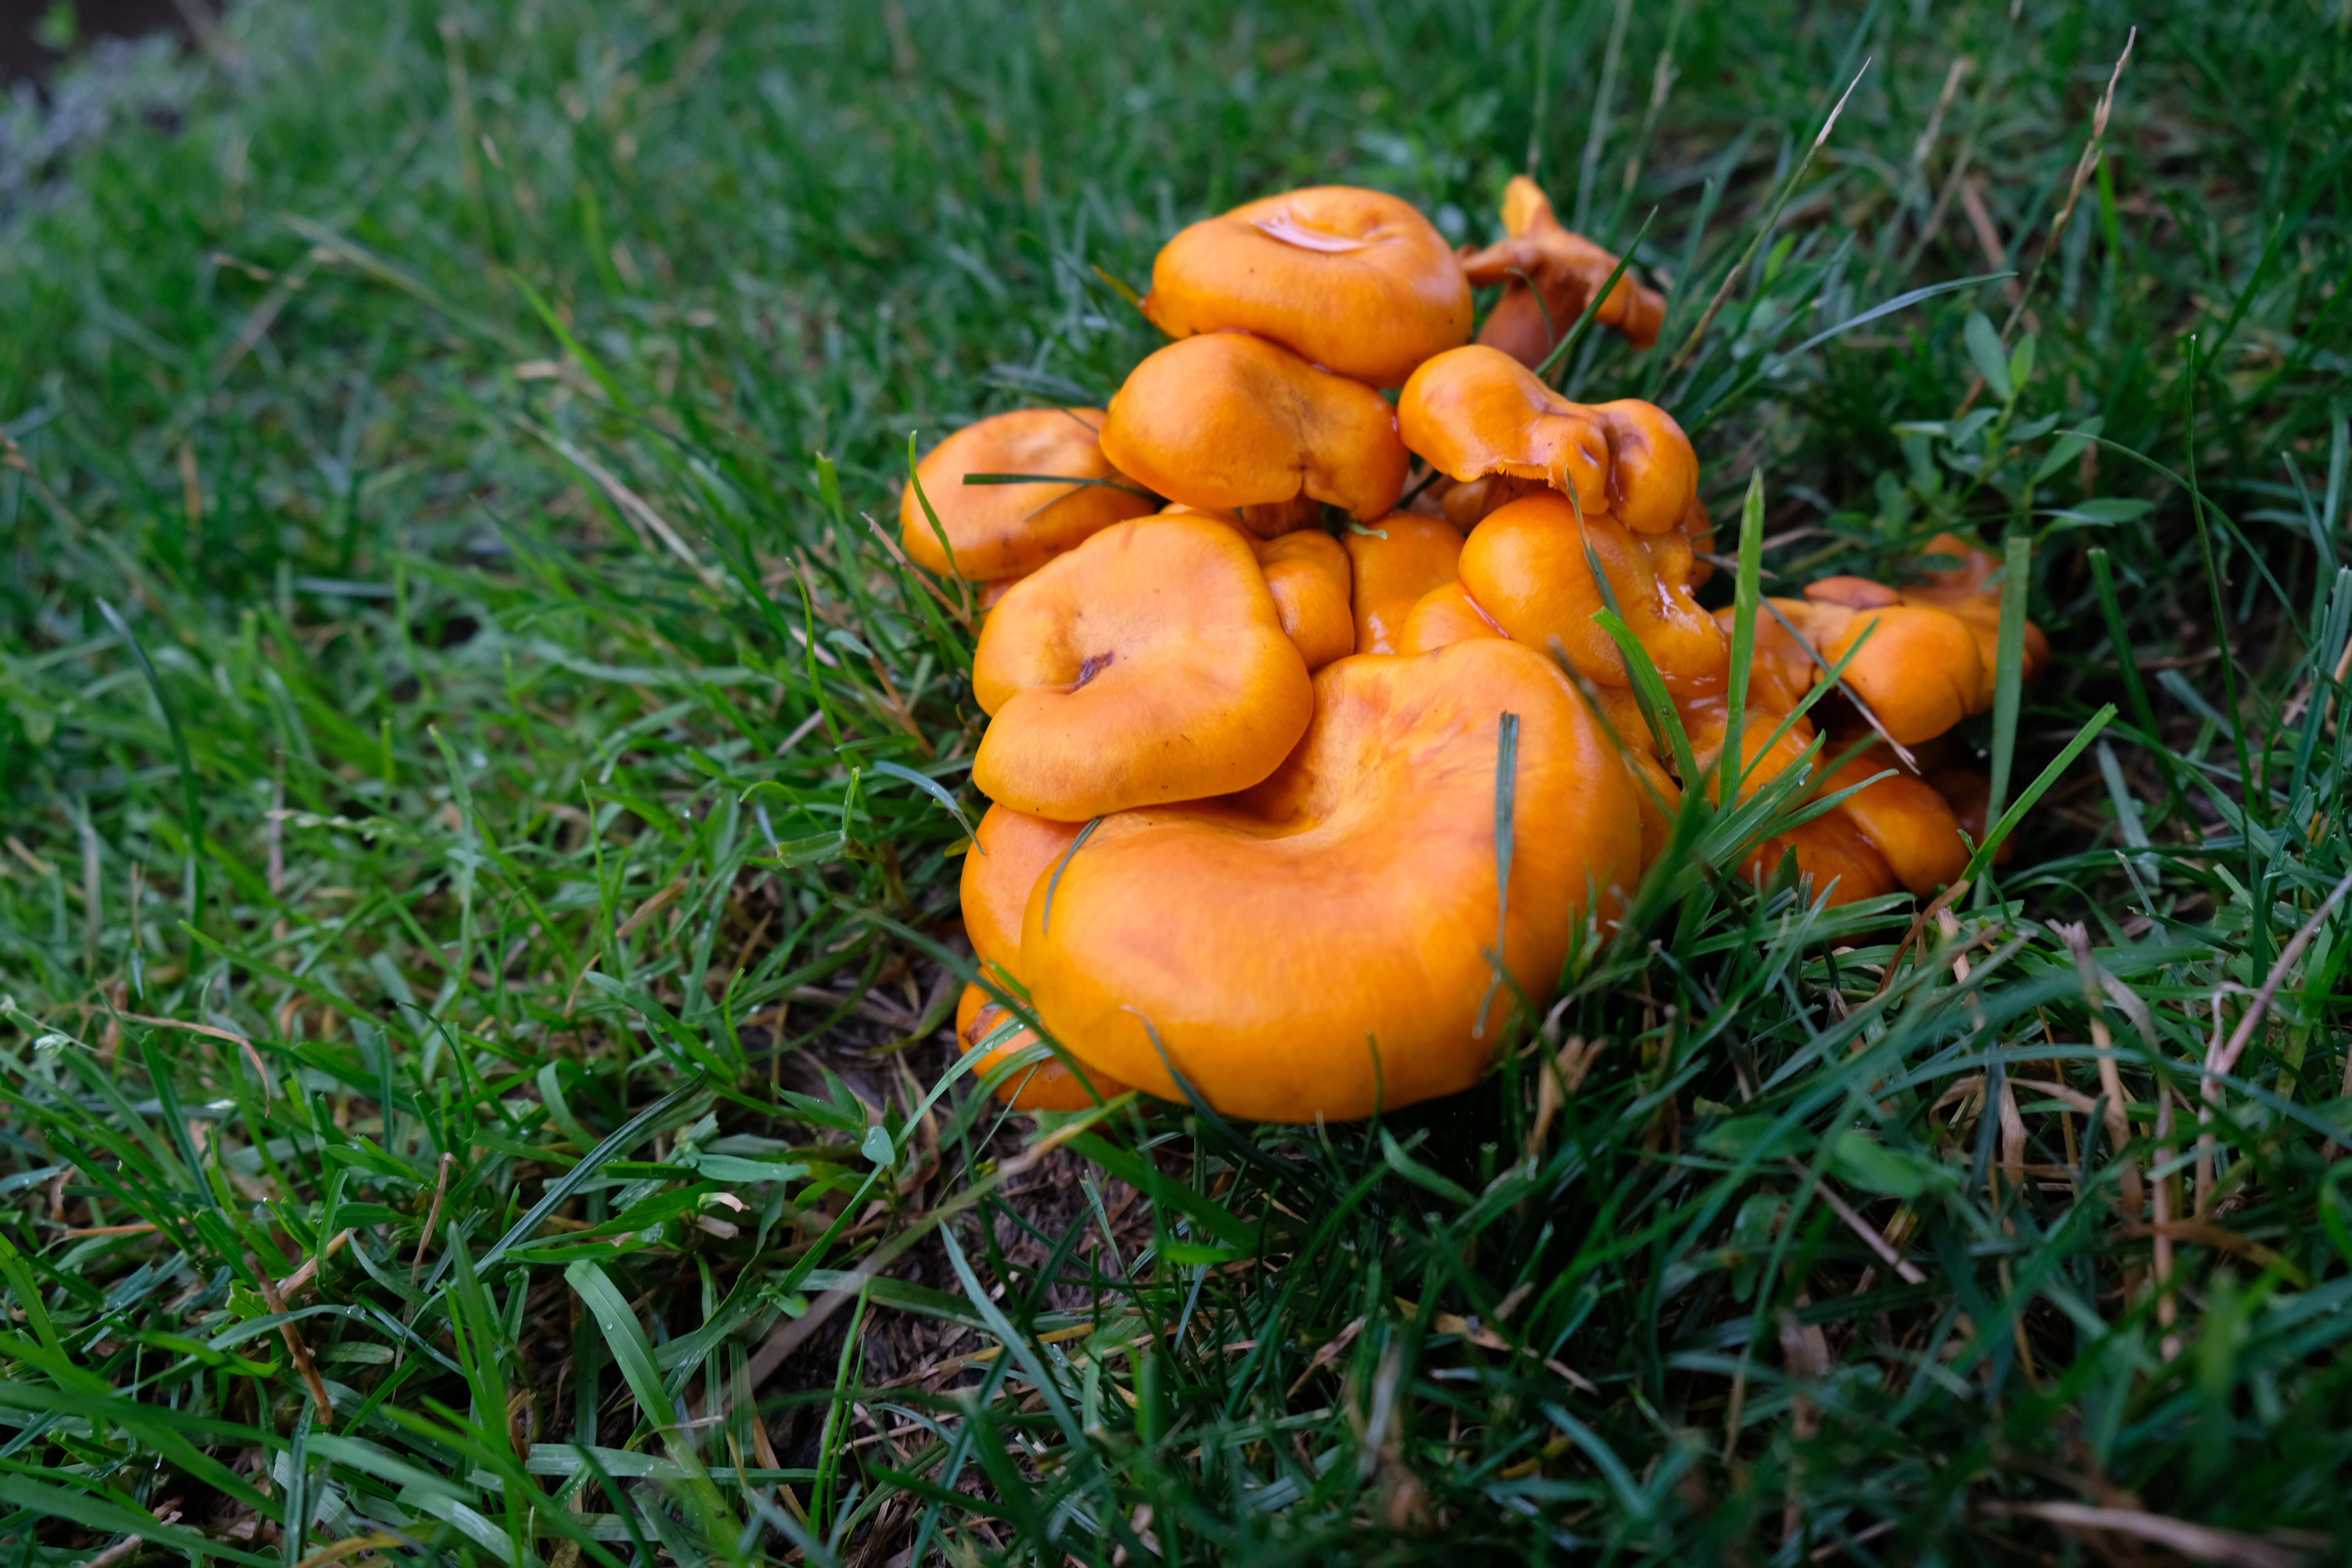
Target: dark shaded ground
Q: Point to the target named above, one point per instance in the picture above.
(24, 51)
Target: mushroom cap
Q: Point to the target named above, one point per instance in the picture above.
(1831, 851)
(1912, 828)
(1920, 672)
(1274, 943)
(1476, 411)
(1015, 851)
(1566, 269)
(1762, 756)
(1658, 798)
(1053, 1084)
(1356, 280)
(1392, 566)
(1525, 565)
(1443, 616)
(1307, 573)
(1961, 591)
(1226, 420)
(1149, 665)
(1006, 531)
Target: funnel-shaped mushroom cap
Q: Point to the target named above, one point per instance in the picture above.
(1962, 591)
(1004, 531)
(1307, 573)
(1394, 564)
(1051, 1085)
(1566, 269)
(1355, 281)
(1148, 665)
(1476, 411)
(1272, 943)
(1227, 420)
(1912, 828)
(1015, 851)
(1833, 853)
(1526, 567)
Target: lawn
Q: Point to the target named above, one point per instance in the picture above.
(483, 808)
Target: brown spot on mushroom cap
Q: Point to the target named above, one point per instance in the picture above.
(1227, 420)
(1566, 270)
(1476, 411)
(1355, 281)
(1263, 939)
(1195, 690)
(1004, 531)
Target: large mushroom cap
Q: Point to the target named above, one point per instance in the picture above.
(1014, 851)
(1527, 567)
(1053, 1084)
(1005, 530)
(1476, 411)
(1227, 420)
(1307, 573)
(1566, 270)
(1356, 280)
(1278, 944)
(1147, 665)
(1393, 563)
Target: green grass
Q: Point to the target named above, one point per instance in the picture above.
(450, 680)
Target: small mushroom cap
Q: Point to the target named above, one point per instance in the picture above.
(1053, 1084)
(1566, 269)
(1912, 828)
(1147, 665)
(1307, 573)
(1527, 566)
(1356, 280)
(1394, 565)
(1766, 750)
(1465, 506)
(1443, 616)
(1016, 849)
(1920, 672)
(1005, 530)
(1833, 853)
(1226, 420)
(1476, 411)
(1275, 943)
(1962, 591)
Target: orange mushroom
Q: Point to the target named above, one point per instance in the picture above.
(1356, 280)
(1444, 615)
(1527, 567)
(1913, 828)
(1011, 850)
(1318, 945)
(1476, 411)
(1961, 591)
(1394, 565)
(1005, 530)
(1229, 421)
(1147, 665)
(1054, 1084)
(1832, 852)
(1566, 270)
(1919, 673)
(1307, 573)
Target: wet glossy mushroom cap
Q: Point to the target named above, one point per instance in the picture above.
(1566, 270)
(1394, 565)
(1357, 281)
(1149, 665)
(1276, 943)
(1015, 851)
(1476, 411)
(1443, 616)
(1053, 1084)
(1005, 530)
(1527, 566)
(1226, 420)
(1913, 828)
(1307, 573)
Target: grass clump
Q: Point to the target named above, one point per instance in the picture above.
(478, 910)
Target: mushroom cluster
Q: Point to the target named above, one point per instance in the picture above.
(1299, 784)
